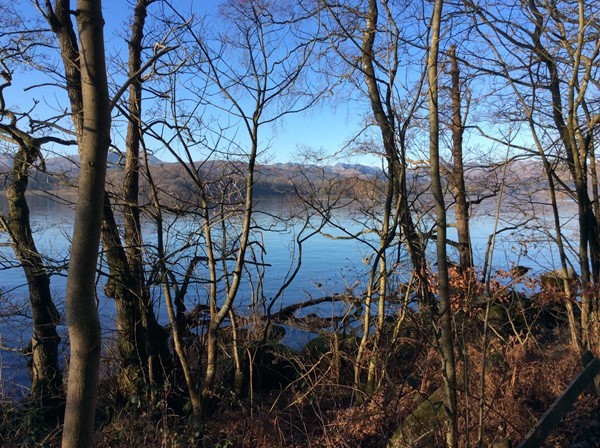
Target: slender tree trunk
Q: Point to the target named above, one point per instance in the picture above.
(59, 20)
(217, 316)
(131, 317)
(457, 179)
(387, 132)
(362, 346)
(213, 326)
(574, 331)
(446, 333)
(383, 113)
(394, 156)
(379, 325)
(238, 374)
(175, 307)
(577, 151)
(121, 286)
(177, 331)
(82, 315)
(142, 342)
(594, 178)
(596, 212)
(131, 209)
(133, 233)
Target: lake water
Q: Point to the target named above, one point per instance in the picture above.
(330, 265)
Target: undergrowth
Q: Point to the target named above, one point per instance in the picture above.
(320, 407)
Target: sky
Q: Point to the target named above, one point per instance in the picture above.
(323, 129)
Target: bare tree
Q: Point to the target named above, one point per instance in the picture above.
(46, 375)
(142, 341)
(85, 69)
(548, 54)
(445, 313)
(369, 38)
(456, 179)
(249, 73)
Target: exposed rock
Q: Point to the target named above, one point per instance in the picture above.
(418, 428)
(556, 277)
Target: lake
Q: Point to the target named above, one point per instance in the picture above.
(330, 264)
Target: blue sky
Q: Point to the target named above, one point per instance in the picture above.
(323, 128)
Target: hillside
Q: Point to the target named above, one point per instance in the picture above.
(274, 179)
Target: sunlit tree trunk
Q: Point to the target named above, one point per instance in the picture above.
(387, 132)
(218, 315)
(577, 152)
(445, 314)
(142, 342)
(256, 93)
(568, 288)
(396, 212)
(82, 315)
(457, 179)
(596, 211)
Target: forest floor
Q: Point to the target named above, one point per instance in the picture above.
(308, 398)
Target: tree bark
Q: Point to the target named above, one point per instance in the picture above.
(457, 179)
(577, 151)
(59, 20)
(397, 212)
(446, 332)
(82, 315)
(46, 375)
(141, 340)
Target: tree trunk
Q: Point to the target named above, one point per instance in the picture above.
(457, 179)
(574, 331)
(122, 288)
(383, 112)
(577, 151)
(82, 314)
(142, 342)
(446, 332)
(131, 295)
(46, 376)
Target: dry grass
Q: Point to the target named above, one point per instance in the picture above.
(523, 376)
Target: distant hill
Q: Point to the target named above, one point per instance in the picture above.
(278, 178)
(271, 179)
(70, 164)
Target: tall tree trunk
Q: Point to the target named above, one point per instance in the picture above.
(218, 315)
(46, 376)
(387, 131)
(573, 329)
(122, 288)
(82, 314)
(577, 151)
(457, 179)
(394, 156)
(596, 212)
(142, 342)
(383, 112)
(446, 332)
(594, 178)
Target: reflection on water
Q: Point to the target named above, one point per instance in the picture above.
(330, 264)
